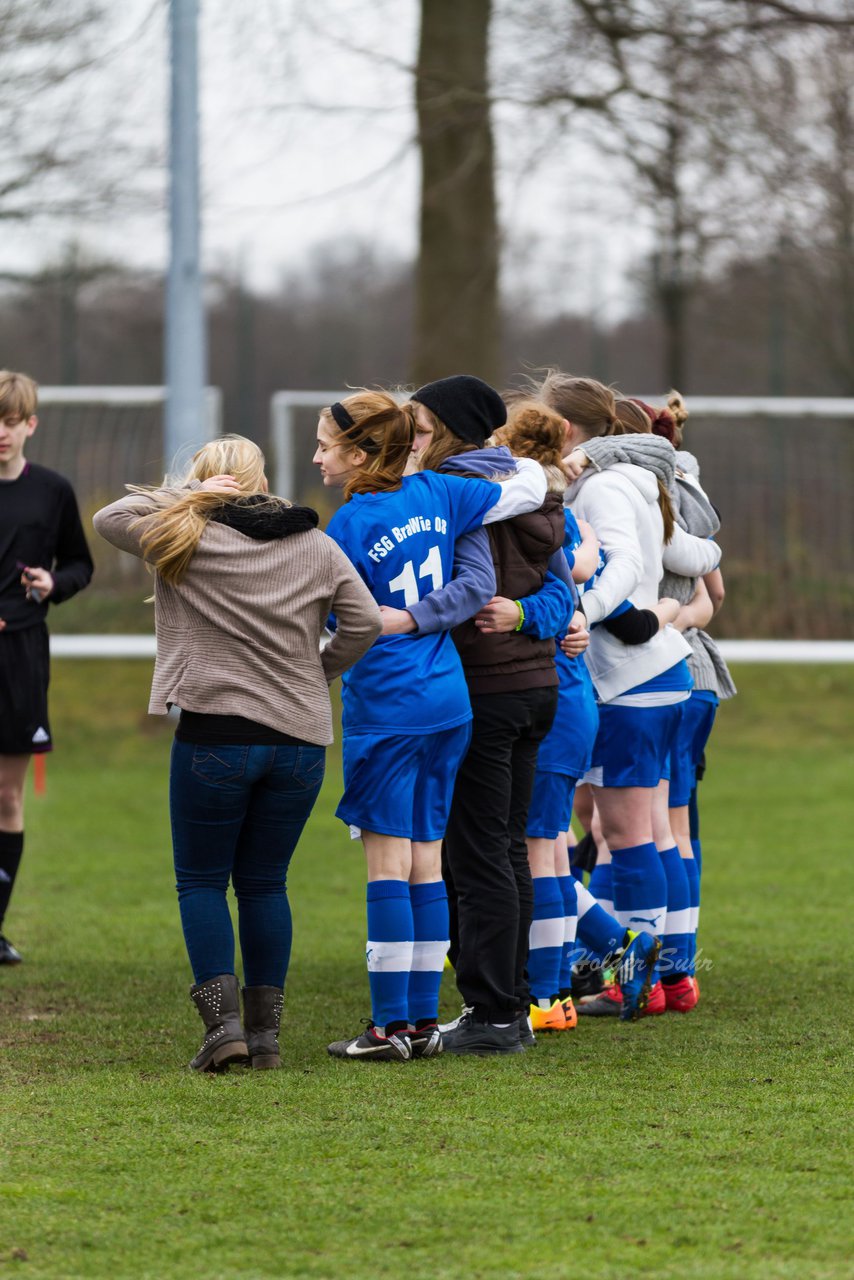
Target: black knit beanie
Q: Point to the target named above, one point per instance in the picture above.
(468, 406)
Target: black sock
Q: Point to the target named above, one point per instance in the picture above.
(672, 979)
(421, 1023)
(11, 848)
(392, 1028)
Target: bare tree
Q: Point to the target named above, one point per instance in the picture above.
(670, 90)
(60, 152)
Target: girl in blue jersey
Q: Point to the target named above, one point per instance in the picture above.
(406, 710)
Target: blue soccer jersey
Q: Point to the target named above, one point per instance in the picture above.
(568, 745)
(402, 545)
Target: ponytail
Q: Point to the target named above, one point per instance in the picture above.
(171, 537)
(668, 515)
(374, 422)
(679, 414)
(634, 417)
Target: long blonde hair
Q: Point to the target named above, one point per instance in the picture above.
(171, 536)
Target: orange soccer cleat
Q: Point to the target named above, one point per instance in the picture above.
(552, 1019)
(571, 1013)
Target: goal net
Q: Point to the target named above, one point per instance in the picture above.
(101, 438)
(780, 471)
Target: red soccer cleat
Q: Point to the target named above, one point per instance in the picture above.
(657, 1002)
(680, 996)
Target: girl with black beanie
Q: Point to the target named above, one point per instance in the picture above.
(513, 685)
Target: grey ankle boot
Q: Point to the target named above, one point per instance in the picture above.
(217, 1000)
(262, 1016)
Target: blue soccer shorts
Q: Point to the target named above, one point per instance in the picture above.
(687, 751)
(633, 745)
(401, 784)
(550, 810)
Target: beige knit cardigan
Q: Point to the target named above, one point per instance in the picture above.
(240, 633)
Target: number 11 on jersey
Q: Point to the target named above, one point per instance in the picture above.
(406, 581)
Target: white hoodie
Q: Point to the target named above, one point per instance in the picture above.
(622, 506)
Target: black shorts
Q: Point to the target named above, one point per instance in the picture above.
(24, 677)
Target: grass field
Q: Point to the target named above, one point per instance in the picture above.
(711, 1145)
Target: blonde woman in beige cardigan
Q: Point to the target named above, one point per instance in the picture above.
(244, 585)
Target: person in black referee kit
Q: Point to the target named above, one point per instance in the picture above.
(43, 559)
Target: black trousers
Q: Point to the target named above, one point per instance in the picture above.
(485, 858)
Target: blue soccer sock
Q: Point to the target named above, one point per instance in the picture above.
(545, 940)
(598, 931)
(698, 855)
(601, 885)
(430, 920)
(694, 904)
(566, 884)
(676, 952)
(389, 950)
(640, 888)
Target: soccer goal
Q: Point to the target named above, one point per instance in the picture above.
(101, 438)
(780, 470)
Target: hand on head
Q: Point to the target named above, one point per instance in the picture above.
(221, 484)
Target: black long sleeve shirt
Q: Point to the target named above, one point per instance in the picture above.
(39, 527)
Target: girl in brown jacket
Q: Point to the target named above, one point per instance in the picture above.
(244, 584)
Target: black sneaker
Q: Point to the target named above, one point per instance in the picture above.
(372, 1046)
(607, 1004)
(426, 1043)
(455, 1022)
(8, 954)
(482, 1038)
(526, 1032)
(587, 980)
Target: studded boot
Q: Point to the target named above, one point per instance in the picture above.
(262, 1016)
(217, 1000)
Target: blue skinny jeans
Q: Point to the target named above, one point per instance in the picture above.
(237, 813)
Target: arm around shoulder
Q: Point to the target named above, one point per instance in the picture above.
(690, 556)
(523, 492)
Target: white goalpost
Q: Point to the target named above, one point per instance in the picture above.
(284, 432)
(754, 452)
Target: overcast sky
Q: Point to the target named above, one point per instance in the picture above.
(308, 134)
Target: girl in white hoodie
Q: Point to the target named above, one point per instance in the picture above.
(640, 687)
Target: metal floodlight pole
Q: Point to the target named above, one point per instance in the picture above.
(185, 355)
